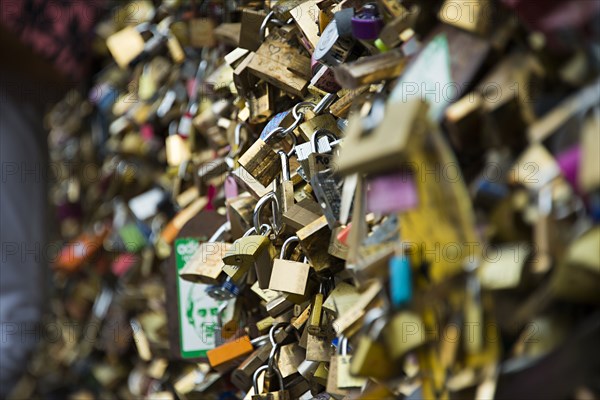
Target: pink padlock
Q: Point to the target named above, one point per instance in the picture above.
(392, 193)
(231, 188)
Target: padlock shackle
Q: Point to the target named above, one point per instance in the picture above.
(263, 26)
(226, 227)
(264, 230)
(265, 368)
(272, 198)
(237, 139)
(285, 166)
(286, 243)
(342, 345)
(314, 139)
(296, 109)
(324, 103)
(374, 322)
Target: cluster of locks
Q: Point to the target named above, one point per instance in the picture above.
(305, 199)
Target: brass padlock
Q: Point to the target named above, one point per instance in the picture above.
(378, 151)
(307, 154)
(371, 357)
(301, 214)
(278, 395)
(289, 276)
(250, 251)
(345, 378)
(312, 239)
(261, 160)
(241, 377)
(206, 263)
(239, 214)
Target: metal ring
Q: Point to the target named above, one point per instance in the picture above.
(297, 118)
(275, 132)
(302, 104)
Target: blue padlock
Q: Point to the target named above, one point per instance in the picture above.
(400, 280)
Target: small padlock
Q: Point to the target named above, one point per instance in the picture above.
(278, 395)
(250, 251)
(206, 264)
(317, 325)
(241, 377)
(344, 377)
(224, 357)
(318, 160)
(312, 239)
(307, 152)
(289, 276)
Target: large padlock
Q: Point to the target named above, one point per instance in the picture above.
(380, 151)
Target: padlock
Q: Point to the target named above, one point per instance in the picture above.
(290, 357)
(206, 264)
(125, 45)
(272, 367)
(372, 69)
(332, 49)
(371, 357)
(409, 327)
(301, 214)
(260, 161)
(247, 182)
(333, 374)
(250, 29)
(239, 214)
(327, 189)
(367, 23)
(281, 394)
(250, 251)
(279, 306)
(380, 152)
(224, 357)
(317, 159)
(344, 377)
(312, 236)
(284, 189)
(241, 377)
(282, 65)
(289, 276)
(317, 324)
